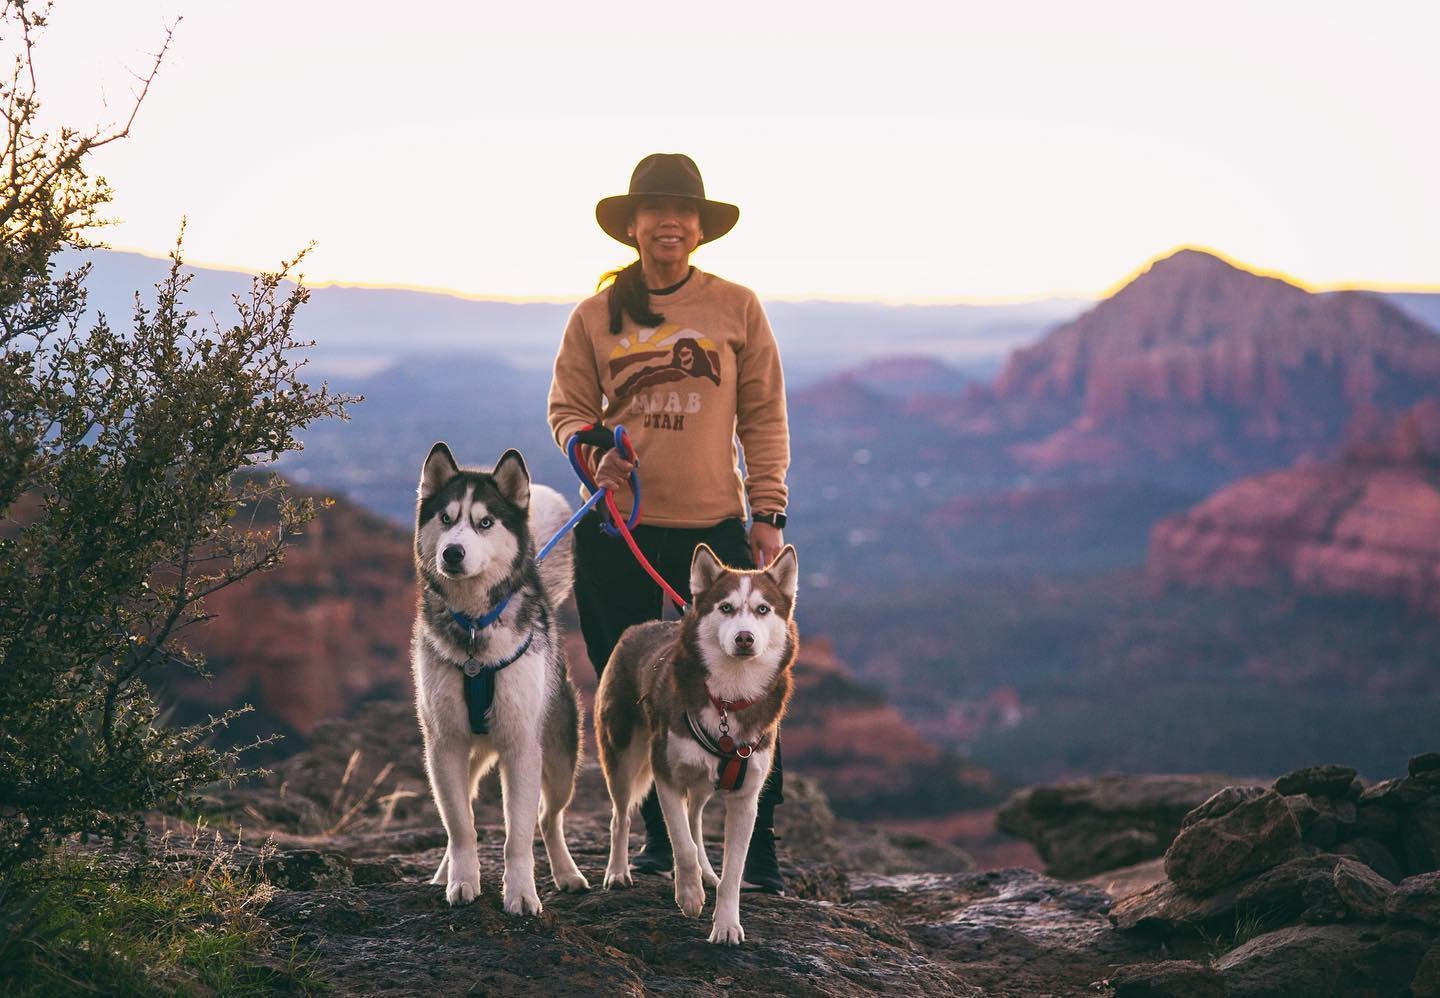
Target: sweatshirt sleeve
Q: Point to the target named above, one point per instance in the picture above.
(761, 422)
(575, 395)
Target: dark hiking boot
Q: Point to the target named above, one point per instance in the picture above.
(762, 869)
(656, 857)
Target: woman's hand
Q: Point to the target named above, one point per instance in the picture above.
(766, 542)
(614, 471)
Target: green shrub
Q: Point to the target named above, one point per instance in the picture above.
(120, 504)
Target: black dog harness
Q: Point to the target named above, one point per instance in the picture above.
(479, 682)
(478, 678)
(734, 757)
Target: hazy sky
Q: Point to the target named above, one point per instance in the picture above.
(879, 150)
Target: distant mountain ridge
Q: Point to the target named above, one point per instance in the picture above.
(361, 330)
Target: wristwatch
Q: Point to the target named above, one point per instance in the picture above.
(776, 520)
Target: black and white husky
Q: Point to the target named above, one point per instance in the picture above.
(695, 705)
(491, 682)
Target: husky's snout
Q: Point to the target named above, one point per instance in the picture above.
(744, 644)
(454, 558)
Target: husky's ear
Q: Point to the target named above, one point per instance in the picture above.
(705, 568)
(512, 478)
(784, 571)
(438, 469)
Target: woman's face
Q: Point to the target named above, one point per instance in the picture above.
(666, 230)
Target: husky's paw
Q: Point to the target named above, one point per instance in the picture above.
(463, 890)
(615, 880)
(727, 933)
(522, 903)
(708, 875)
(573, 882)
(690, 896)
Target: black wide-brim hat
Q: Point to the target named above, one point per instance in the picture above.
(665, 174)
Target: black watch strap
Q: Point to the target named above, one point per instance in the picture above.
(776, 520)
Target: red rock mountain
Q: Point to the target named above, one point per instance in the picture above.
(1199, 371)
(327, 629)
(1368, 525)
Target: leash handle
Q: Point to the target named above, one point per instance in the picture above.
(604, 439)
(614, 524)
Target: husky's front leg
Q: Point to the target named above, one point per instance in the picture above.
(448, 763)
(740, 811)
(689, 893)
(520, 769)
(695, 803)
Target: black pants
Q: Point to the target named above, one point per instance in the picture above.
(612, 592)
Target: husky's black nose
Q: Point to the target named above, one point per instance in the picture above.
(454, 556)
(744, 642)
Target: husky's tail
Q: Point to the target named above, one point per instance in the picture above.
(548, 513)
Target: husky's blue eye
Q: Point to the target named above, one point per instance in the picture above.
(446, 518)
(726, 608)
(486, 523)
(762, 609)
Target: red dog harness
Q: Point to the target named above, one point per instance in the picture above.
(734, 758)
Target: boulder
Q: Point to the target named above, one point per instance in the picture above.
(1089, 826)
(1426, 762)
(1324, 781)
(1323, 960)
(1316, 889)
(1420, 837)
(1222, 802)
(1322, 819)
(1376, 818)
(1416, 899)
(1168, 979)
(1426, 982)
(1250, 837)
(1374, 855)
(1361, 890)
(1381, 792)
(1165, 909)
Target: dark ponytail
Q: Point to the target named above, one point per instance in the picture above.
(629, 296)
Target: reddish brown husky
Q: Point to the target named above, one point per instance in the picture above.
(695, 704)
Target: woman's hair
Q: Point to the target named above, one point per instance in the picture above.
(629, 296)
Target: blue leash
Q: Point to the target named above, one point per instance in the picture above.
(479, 680)
(572, 448)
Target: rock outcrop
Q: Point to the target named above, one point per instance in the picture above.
(354, 840)
(1313, 885)
(1090, 826)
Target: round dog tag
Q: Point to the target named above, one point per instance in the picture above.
(471, 667)
(727, 744)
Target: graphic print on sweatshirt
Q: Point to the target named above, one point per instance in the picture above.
(649, 368)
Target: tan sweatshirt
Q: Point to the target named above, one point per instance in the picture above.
(685, 392)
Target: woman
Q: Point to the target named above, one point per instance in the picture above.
(687, 362)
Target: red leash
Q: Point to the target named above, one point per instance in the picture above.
(587, 474)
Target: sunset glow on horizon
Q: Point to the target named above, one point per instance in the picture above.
(969, 154)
